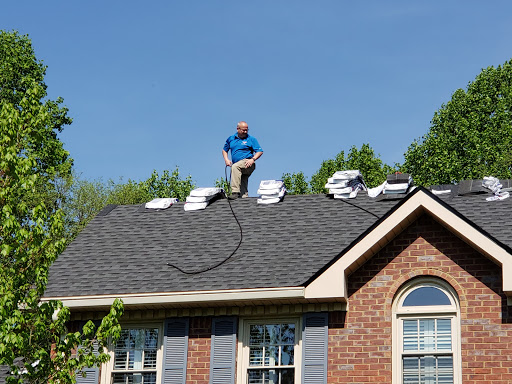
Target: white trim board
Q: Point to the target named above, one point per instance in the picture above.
(333, 281)
(168, 298)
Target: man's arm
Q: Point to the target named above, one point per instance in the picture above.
(226, 158)
(250, 162)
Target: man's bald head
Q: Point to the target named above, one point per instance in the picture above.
(242, 128)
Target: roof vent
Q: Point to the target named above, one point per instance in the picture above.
(161, 203)
(467, 187)
(395, 187)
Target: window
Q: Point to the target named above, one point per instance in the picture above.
(270, 351)
(135, 358)
(426, 334)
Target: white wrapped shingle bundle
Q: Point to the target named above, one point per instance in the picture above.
(271, 191)
(347, 175)
(161, 203)
(199, 198)
(495, 186)
(345, 184)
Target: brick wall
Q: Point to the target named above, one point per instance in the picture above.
(199, 343)
(360, 340)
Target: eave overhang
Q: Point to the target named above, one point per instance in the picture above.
(233, 297)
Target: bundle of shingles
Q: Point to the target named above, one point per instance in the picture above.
(199, 198)
(160, 203)
(345, 184)
(271, 191)
(495, 186)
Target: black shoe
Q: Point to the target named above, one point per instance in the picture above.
(234, 196)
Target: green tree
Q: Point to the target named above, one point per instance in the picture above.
(372, 168)
(470, 136)
(85, 198)
(296, 183)
(30, 240)
(20, 71)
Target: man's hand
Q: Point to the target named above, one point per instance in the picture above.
(229, 163)
(249, 162)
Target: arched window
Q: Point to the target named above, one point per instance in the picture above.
(426, 334)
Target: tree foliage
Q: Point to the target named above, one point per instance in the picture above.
(20, 71)
(470, 136)
(372, 168)
(85, 198)
(296, 183)
(34, 341)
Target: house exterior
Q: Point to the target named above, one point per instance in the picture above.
(312, 290)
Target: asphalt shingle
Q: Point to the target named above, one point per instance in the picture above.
(285, 244)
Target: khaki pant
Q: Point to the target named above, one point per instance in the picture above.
(240, 177)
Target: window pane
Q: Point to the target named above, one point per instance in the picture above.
(151, 339)
(426, 335)
(271, 345)
(255, 376)
(287, 376)
(445, 369)
(444, 334)
(272, 333)
(271, 376)
(120, 361)
(149, 359)
(427, 370)
(256, 335)
(288, 333)
(426, 296)
(256, 356)
(271, 356)
(134, 378)
(287, 352)
(410, 335)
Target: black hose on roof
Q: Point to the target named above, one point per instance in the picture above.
(232, 253)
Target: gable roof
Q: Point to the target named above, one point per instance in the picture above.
(285, 246)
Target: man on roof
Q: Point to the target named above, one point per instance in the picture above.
(245, 150)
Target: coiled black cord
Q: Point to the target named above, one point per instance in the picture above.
(232, 253)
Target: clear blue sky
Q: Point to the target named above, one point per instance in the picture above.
(160, 84)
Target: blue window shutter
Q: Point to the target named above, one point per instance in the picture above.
(223, 344)
(314, 348)
(175, 351)
(92, 374)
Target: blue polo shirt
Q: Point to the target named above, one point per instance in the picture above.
(241, 148)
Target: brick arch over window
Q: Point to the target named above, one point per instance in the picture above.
(427, 272)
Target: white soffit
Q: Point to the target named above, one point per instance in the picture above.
(332, 282)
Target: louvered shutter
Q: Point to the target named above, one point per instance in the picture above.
(175, 351)
(92, 374)
(222, 363)
(314, 350)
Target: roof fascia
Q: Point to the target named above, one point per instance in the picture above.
(177, 298)
(332, 281)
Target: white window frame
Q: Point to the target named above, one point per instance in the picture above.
(401, 313)
(243, 345)
(108, 368)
